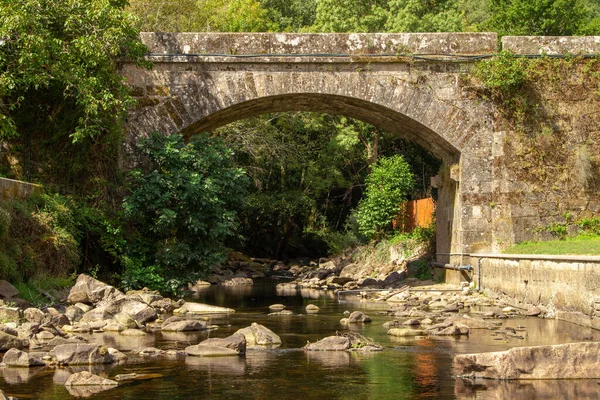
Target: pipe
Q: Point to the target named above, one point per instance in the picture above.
(453, 267)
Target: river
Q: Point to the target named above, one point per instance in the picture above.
(411, 368)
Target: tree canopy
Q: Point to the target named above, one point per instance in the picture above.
(67, 51)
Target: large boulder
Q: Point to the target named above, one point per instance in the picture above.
(259, 335)
(564, 361)
(331, 343)
(7, 291)
(34, 315)
(81, 354)
(18, 358)
(91, 291)
(139, 311)
(8, 342)
(236, 342)
(200, 309)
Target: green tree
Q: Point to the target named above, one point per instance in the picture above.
(202, 15)
(181, 209)
(350, 16)
(66, 50)
(424, 16)
(387, 186)
(291, 15)
(542, 17)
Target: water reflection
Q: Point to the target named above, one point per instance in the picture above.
(530, 390)
(217, 365)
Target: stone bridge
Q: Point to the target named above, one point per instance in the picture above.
(408, 84)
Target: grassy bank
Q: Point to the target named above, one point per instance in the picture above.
(582, 244)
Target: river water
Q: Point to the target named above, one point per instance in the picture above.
(406, 369)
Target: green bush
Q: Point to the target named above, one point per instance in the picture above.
(387, 186)
(180, 210)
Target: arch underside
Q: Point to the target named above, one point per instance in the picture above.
(372, 113)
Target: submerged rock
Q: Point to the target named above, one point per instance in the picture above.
(564, 361)
(210, 351)
(178, 324)
(311, 309)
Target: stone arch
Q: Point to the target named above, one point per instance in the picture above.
(425, 107)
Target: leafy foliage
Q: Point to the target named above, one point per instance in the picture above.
(181, 210)
(388, 184)
(42, 237)
(69, 47)
(542, 17)
(202, 15)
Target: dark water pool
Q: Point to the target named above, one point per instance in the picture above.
(406, 369)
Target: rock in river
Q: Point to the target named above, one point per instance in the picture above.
(331, 343)
(259, 335)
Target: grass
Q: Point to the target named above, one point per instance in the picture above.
(33, 291)
(582, 244)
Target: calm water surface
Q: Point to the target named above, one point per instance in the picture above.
(406, 369)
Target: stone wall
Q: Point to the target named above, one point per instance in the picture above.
(568, 286)
(497, 186)
(11, 189)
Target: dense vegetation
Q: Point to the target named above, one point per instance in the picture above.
(292, 185)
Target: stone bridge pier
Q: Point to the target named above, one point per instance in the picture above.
(408, 84)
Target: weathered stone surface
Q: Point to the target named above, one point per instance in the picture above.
(331, 343)
(81, 354)
(9, 314)
(210, 351)
(200, 309)
(237, 281)
(139, 311)
(406, 332)
(7, 342)
(358, 317)
(276, 307)
(565, 361)
(7, 291)
(259, 335)
(33, 315)
(236, 342)
(86, 378)
(18, 358)
(176, 324)
(533, 312)
(91, 291)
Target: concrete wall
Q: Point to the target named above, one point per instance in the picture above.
(11, 189)
(569, 286)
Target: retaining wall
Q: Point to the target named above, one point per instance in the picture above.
(568, 286)
(11, 189)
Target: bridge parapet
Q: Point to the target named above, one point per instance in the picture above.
(552, 45)
(325, 44)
